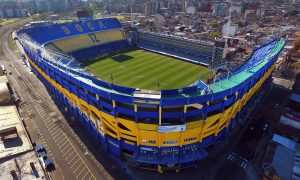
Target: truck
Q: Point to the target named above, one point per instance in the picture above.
(3, 69)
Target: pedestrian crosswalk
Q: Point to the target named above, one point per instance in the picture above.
(238, 160)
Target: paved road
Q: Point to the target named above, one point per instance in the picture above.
(47, 125)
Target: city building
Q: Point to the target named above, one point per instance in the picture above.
(229, 29)
(12, 10)
(18, 160)
(219, 10)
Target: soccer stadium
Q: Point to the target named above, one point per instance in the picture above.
(144, 96)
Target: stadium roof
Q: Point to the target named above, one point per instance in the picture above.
(242, 76)
(245, 71)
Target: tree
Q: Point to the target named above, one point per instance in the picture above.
(213, 34)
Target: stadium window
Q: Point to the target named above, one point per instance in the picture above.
(91, 94)
(223, 125)
(215, 123)
(123, 127)
(70, 82)
(125, 116)
(106, 109)
(194, 118)
(214, 102)
(172, 121)
(93, 103)
(111, 131)
(127, 152)
(212, 113)
(147, 120)
(95, 115)
(80, 88)
(170, 142)
(173, 109)
(106, 100)
(148, 108)
(190, 139)
(149, 141)
(63, 78)
(125, 105)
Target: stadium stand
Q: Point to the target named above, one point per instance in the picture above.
(69, 45)
(199, 51)
(169, 129)
(46, 33)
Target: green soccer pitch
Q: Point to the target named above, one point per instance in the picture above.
(137, 68)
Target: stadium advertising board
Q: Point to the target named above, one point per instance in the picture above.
(176, 128)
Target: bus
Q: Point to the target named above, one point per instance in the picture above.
(3, 69)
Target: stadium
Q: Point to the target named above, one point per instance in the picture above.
(144, 96)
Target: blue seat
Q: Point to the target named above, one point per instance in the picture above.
(44, 34)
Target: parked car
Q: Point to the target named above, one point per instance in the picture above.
(40, 148)
(46, 162)
(15, 96)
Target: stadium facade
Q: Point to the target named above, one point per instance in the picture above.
(166, 129)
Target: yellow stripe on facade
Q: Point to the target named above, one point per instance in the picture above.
(147, 134)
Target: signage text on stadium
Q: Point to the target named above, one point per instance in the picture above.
(80, 29)
(175, 128)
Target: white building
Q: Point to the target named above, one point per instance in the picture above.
(236, 8)
(191, 10)
(229, 29)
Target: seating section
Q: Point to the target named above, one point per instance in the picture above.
(69, 45)
(257, 56)
(198, 51)
(94, 51)
(51, 46)
(49, 32)
(109, 36)
(74, 43)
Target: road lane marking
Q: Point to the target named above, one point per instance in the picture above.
(50, 127)
(67, 151)
(72, 158)
(61, 140)
(80, 172)
(75, 163)
(70, 155)
(50, 123)
(58, 133)
(53, 131)
(85, 175)
(64, 148)
(78, 166)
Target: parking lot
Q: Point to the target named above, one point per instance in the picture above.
(66, 148)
